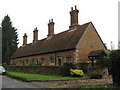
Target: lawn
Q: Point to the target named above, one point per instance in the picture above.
(32, 77)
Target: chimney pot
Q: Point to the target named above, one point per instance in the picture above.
(71, 8)
(52, 20)
(25, 35)
(74, 17)
(51, 27)
(75, 7)
(25, 39)
(36, 28)
(35, 34)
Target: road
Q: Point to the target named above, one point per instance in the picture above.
(7, 82)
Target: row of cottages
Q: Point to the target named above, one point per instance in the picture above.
(72, 45)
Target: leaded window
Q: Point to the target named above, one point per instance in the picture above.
(69, 59)
(52, 60)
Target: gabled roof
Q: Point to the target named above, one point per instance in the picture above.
(66, 40)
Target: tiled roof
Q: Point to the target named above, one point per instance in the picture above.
(63, 41)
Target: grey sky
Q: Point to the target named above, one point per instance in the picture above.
(28, 14)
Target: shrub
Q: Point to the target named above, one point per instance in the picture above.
(76, 72)
(83, 65)
(53, 70)
(105, 62)
(115, 57)
(65, 69)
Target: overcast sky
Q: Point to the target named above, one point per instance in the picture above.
(28, 14)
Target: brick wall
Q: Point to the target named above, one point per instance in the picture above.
(46, 57)
(90, 41)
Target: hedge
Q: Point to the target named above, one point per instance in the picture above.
(55, 70)
(115, 57)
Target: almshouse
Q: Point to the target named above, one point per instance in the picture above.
(72, 45)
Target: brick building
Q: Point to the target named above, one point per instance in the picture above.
(72, 45)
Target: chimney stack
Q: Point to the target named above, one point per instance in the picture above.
(35, 35)
(50, 27)
(25, 39)
(74, 17)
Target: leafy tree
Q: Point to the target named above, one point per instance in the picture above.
(9, 39)
(115, 57)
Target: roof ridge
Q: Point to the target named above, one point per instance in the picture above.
(61, 32)
(70, 28)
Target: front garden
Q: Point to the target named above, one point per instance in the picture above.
(40, 77)
(70, 71)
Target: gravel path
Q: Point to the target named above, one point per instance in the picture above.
(81, 83)
(75, 83)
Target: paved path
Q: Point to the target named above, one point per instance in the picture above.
(8, 82)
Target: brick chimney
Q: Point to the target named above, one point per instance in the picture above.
(50, 27)
(35, 35)
(74, 17)
(25, 39)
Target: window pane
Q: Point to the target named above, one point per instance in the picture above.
(26, 62)
(33, 62)
(42, 61)
(68, 59)
(52, 60)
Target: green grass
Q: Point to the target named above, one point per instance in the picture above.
(30, 77)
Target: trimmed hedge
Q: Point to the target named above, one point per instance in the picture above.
(115, 57)
(105, 62)
(83, 65)
(65, 69)
(55, 70)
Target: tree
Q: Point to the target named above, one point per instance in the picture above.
(9, 39)
(97, 54)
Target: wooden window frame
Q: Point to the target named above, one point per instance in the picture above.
(43, 63)
(69, 59)
(52, 58)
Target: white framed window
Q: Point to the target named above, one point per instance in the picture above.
(52, 60)
(21, 62)
(33, 62)
(69, 59)
(26, 62)
(36, 61)
(16, 62)
(43, 61)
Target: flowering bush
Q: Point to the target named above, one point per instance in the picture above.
(76, 72)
